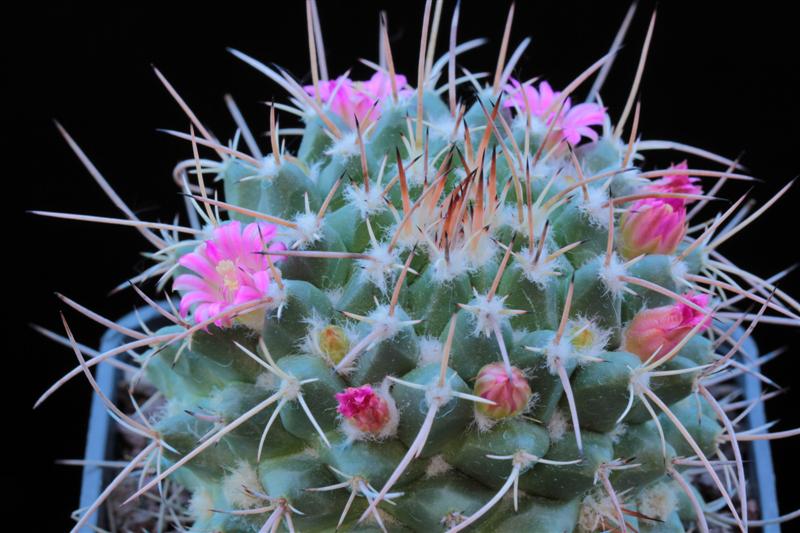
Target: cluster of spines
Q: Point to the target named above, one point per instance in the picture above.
(509, 336)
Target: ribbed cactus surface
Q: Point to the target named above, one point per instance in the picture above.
(454, 306)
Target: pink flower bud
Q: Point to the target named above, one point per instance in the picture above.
(677, 183)
(652, 226)
(511, 395)
(662, 328)
(363, 408)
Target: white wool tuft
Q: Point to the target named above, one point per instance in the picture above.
(679, 271)
(657, 501)
(267, 381)
(488, 314)
(596, 510)
(483, 422)
(345, 147)
(389, 325)
(378, 270)
(367, 203)
(308, 230)
(558, 425)
(610, 275)
(430, 350)
(445, 270)
(232, 486)
(333, 294)
(201, 506)
(596, 206)
(539, 272)
(563, 351)
(437, 466)
(618, 432)
(445, 128)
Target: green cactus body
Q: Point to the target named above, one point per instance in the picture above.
(406, 362)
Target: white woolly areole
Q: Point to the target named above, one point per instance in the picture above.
(378, 270)
(430, 351)
(267, 381)
(345, 147)
(538, 128)
(509, 216)
(233, 485)
(482, 422)
(596, 509)
(314, 171)
(488, 314)
(267, 168)
(618, 432)
(388, 325)
(562, 351)
(437, 466)
(389, 430)
(201, 505)
(558, 425)
(334, 294)
(480, 250)
(679, 271)
(657, 501)
(415, 171)
(446, 270)
(440, 395)
(610, 275)
(596, 206)
(367, 203)
(444, 128)
(537, 271)
(308, 229)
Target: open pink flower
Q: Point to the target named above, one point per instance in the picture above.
(652, 226)
(227, 270)
(662, 328)
(510, 394)
(677, 183)
(573, 122)
(361, 99)
(363, 408)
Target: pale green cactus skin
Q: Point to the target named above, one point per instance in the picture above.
(214, 374)
(536, 471)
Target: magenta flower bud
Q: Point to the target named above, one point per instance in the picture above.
(510, 395)
(363, 408)
(677, 183)
(652, 226)
(662, 328)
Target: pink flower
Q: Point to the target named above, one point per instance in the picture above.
(363, 408)
(228, 270)
(511, 395)
(652, 226)
(362, 99)
(662, 328)
(677, 183)
(573, 122)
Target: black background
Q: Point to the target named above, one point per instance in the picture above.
(724, 78)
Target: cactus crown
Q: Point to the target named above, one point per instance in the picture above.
(442, 314)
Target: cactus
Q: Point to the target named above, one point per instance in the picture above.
(441, 314)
